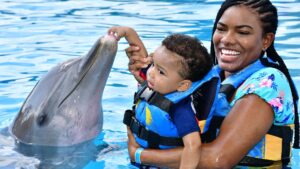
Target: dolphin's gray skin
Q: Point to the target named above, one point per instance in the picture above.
(64, 108)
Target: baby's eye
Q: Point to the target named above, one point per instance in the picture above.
(161, 72)
(151, 64)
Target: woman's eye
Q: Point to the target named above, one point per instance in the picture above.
(220, 29)
(244, 32)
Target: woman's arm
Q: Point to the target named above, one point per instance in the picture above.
(169, 157)
(137, 61)
(191, 150)
(248, 121)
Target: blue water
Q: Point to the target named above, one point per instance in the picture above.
(35, 35)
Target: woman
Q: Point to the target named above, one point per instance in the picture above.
(259, 107)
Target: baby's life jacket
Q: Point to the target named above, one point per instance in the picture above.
(150, 121)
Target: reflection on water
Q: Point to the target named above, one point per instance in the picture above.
(37, 34)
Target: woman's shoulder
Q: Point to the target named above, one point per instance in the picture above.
(270, 79)
(272, 86)
(270, 73)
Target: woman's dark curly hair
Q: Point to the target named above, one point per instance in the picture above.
(267, 13)
(196, 60)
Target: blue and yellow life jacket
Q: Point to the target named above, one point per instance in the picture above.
(150, 120)
(278, 139)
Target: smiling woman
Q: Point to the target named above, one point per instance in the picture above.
(239, 39)
(35, 36)
(256, 110)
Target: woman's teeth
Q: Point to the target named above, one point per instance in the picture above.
(229, 52)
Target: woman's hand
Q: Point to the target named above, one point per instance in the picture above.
(137, 61)
(132, 145)
(157, 157)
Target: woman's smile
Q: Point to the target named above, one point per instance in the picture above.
(229, 55)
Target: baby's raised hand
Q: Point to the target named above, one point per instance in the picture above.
(118, 31)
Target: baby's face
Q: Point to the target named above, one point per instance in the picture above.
(163, 76)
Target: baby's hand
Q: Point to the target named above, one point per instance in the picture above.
(118, 31)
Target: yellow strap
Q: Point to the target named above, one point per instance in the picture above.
(201, 124)
(148, 116)
(273, 148)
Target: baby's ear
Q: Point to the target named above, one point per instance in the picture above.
(184, 85)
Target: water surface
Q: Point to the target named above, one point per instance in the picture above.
(35, 35)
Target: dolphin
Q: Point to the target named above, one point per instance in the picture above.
(64, 108)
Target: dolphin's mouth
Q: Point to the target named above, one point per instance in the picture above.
(111, 35)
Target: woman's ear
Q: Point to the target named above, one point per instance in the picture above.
(268, 40)
(184, 85)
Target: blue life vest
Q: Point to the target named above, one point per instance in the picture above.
(227, 90)
(151, 112)
(230, 84)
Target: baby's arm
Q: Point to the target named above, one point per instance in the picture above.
(191, 151)
(130, 35)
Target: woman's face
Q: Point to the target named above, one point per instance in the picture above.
(238, 39)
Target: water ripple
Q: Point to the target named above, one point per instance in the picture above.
(35, 35)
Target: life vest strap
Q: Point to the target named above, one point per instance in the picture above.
(160, 101)
(211, 133)
(153, 139)
(286, 133)
(283, 132)
(153, 98)
(204, 97)
(228, 90)
(255, 162)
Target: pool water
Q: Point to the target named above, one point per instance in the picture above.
(35, 35)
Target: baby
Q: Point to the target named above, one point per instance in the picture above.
(163, 116)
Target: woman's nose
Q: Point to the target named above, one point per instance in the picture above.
(228, 38)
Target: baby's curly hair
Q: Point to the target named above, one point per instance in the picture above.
(196, 61)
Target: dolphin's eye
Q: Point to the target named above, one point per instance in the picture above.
(42, 119)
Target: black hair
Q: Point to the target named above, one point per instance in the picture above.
(196, 60)
(267, 13)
